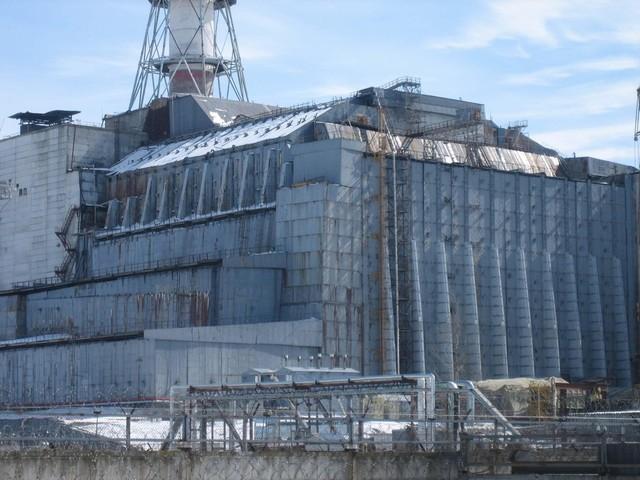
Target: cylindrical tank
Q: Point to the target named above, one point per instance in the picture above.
(191, 23)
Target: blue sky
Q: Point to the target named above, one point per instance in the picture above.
(569, 67)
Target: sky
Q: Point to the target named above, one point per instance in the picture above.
(570, 68)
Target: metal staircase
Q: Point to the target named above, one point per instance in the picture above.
(63, 234)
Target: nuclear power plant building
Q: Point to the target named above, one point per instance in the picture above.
(387, 232)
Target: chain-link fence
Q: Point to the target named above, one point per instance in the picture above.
(406, 414)
(386, 428)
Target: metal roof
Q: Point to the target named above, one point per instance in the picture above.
(54, 117)
(240, 135)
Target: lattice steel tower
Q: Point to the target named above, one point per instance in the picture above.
(190, 47)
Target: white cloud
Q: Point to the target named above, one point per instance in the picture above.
(549, 23)
(547, 76)
(617, 31)
(629, 36)
(118, 61)
(254, 52)
(582, 139)
(625, 155)
(325, 91)
(576, 101)
(612, 142)
(508, 19)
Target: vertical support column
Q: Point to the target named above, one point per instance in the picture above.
(438, 337)
(113, 214)
(469, 360)
(183, 207)
(569, 329)
(519, 335)
(149, 208)
(203, 194)
(546, 336)
(163, 209)
(493, 331)
(620, 354)
(243, 181)
(222, 187)
(266, 175)
(129, 216)
(389, 353)
(591, 320)
(417, 319)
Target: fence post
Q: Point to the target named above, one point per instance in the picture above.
(203, 434)
(128, 432)
(350, 422)
(603, 453)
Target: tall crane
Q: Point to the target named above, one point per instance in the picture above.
(636, 135)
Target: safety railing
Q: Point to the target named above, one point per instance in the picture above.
(130, 268)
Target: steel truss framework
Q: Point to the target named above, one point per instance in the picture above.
(154, 77)
(338, 413)
(400, 413)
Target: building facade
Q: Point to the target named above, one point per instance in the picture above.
(394, 231)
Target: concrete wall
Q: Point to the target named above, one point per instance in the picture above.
(520, 275)
(40, 178)
(229, 292)
(179, 298)
(13, 318)
(216, 355)
(320, 227)
(76, 372)
(40, 163)
(265, 465)
(230, 236)
(147, 367)
(498, 273)
(540, 229)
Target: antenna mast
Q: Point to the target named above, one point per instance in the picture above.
(190, 47)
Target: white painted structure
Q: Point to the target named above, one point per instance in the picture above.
(191, 45)
(40, 184)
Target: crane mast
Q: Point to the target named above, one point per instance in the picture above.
(637, 134)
